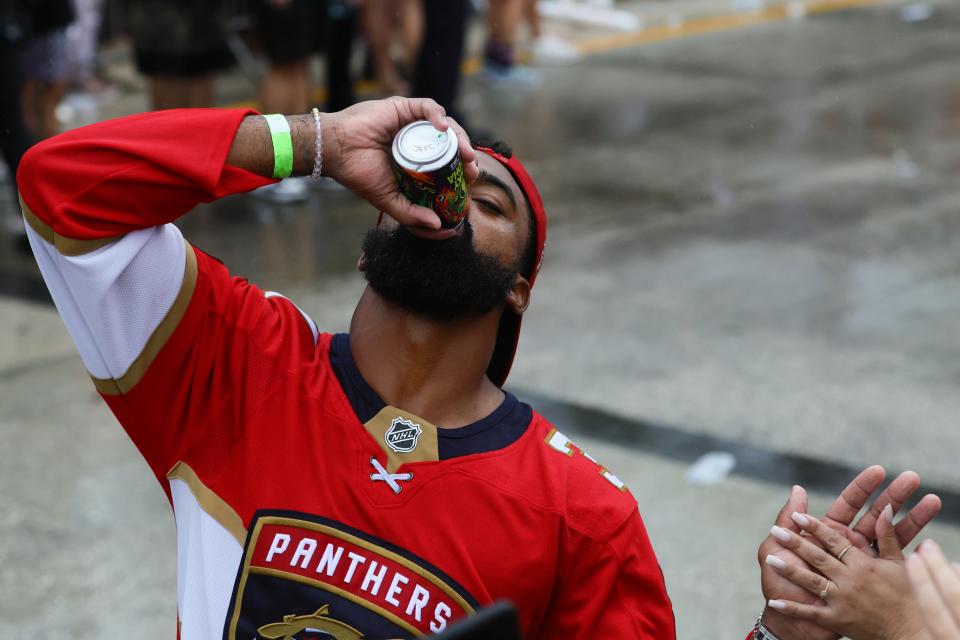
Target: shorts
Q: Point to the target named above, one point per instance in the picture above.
(179, 38)
(44, 57)
(292, 33)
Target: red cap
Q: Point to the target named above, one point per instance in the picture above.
(508, 336)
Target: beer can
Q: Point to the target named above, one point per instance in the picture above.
(429, 171)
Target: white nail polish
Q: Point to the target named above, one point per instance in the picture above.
(800, 519)
(888, 513)
(780, 533)
(780, 605)
(775, 562)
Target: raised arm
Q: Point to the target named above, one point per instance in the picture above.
(135, 297)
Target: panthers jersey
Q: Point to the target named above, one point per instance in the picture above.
(305, 505)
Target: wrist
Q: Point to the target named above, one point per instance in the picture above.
(331, 135)
(304, 138)
(779, 625)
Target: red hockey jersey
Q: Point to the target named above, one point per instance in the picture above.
(303, 505)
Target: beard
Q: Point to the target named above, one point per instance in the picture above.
(439, 279)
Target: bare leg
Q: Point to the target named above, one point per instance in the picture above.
(533, 19)
(413, 25)
(163, 92)
(170, 92)
(198, 92)
(378, 15)
(499, 58)
(285, 88)
(504, 18)
(49, 97)
(30, 107)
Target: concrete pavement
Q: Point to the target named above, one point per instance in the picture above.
(754, 239)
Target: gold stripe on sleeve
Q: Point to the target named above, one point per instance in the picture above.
(215, 506)
(66, 246)
(160, 335)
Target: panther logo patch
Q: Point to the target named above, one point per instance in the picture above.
(315, 626)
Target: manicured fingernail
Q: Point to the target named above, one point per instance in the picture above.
(914, 559)
(888, 513)
(780, 533)
(800, 519)
(777, 604)
(775, 562)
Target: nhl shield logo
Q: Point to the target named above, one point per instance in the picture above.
(402, 436)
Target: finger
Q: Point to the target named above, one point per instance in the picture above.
(887, 543)
(796, 503)
(919, 517)
(848, 504)
(943, 575)
(817, 614)
(408, 214)
(413, 109)
(816, 557)
(471, 170)
(832, 541)
(800, 576)
(898, 492)
(940, 622)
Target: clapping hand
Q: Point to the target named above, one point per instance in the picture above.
(840, 518)
(936, 584)
(859, 595)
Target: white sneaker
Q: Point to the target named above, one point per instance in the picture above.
(549, 49)
(515, 75)
(285, 191)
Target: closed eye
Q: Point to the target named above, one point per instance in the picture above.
(490, 206)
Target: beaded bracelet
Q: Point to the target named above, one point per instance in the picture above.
(316, 174)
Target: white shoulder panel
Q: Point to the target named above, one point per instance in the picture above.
(309, 320)
(207, 560)
(113, 298)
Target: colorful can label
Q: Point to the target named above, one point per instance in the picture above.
(429, 171)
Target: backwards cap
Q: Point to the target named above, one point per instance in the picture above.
(508, 336)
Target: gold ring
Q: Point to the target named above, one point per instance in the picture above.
(826, 590)
(845, 549)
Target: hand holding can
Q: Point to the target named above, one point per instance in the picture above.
(357, 153)
(430, 171)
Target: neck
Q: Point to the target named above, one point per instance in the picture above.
(436, 370)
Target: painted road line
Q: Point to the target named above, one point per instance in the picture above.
(686, 446)
(713, 24)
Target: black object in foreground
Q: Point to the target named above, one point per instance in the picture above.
(499, 621)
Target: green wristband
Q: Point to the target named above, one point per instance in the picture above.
(282, 145)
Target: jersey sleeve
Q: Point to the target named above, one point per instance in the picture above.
(611, 589)
(164, 330)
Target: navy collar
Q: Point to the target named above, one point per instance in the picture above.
(501, 428)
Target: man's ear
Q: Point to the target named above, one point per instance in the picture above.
(519, 297)
(362, 262)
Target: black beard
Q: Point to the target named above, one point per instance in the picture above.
(439, 279)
